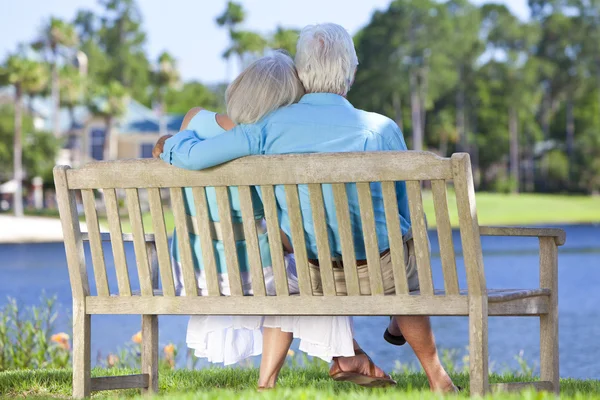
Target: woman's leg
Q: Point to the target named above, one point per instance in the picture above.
(275, 348)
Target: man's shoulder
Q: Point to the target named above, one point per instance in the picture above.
(378, 122)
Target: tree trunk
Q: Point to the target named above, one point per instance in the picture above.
(55, 99)
(415, 105)
(530, 171)
(109, 146)
(514, 148)
(18, 152)
(423, 90)
(162, 120)
(397, 103)
(570, 130)
(460, 112)
(546, 112)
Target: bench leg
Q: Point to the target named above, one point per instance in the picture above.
(478, 346)
(549, 366)
(150, 351)
(82, 378)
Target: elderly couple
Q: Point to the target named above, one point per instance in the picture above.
(278, 107)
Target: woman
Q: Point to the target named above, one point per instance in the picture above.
(267, 84)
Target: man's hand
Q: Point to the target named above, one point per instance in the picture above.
(159, 146)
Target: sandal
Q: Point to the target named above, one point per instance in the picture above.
(396, 340)
(370, 380)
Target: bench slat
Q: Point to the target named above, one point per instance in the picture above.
(252, 247)
(392, 218)
(279, 270)
(421, 241)
(96, 249)
(183, 238)
(444, 230)
(322, 236)
(206, 243)
(233, 265)
(298, 239)
(367, 217)
(161, 240)
(139, 243)
(116, 236)
(346, 237)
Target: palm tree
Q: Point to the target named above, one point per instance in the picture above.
(233, 15)
(285, 39)
(110, 103)
(56, 36)
(27, 77)
(246, 43)
(164, 78)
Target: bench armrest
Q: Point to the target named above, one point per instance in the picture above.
(559, 235)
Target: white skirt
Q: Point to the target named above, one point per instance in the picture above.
(231, 339)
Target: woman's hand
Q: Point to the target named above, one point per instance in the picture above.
(159, 146)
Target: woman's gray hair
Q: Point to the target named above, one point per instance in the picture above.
(326, 59)
(267, 84)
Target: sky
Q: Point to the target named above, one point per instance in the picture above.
(187, 28)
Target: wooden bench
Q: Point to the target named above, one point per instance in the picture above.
(476, 301)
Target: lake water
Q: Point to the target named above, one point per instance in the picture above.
(28, 270)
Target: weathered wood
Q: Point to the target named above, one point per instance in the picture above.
(289, 169)
(392, 220)
(67, 207)
(120, 382)
(252, 247)
(206, 243)
(549, 355)
(298, 240)
(279, 270)
(444, 230)
(421, 241)
(315, 194)
(281, 305)
(183, 237)
(346, 237)
(116, 234)
(229, 244)
(91, 219)
(82, 363)
(150, 352)
(558, 235)
(139, 244)
(478, 304)
(127, 237)
(162, 244)
(154, 268)
(367, 217)
(520, 386)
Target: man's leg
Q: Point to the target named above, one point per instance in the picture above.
(418, 334)
(276, 345)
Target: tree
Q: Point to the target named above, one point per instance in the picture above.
(246, 45)
(164, 77)
(56, 37)
(285, 39)
(110, 103)
(233, 15)
(27, 77)
(192, 94)
(122, 40)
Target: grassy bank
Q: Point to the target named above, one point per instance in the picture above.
(493, 209)
(309, 383)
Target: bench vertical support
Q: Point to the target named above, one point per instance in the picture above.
(549, 368)
(150, 351)
(82, 378)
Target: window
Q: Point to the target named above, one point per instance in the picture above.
(97, 143)
(146, 150)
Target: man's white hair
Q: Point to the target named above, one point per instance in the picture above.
(326, 59)
(267, 84)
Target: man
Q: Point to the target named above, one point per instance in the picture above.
(323, 122)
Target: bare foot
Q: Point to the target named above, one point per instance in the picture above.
(393, 328)
(360, 364)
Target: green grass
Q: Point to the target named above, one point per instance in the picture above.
(492, 209)
(229, 383)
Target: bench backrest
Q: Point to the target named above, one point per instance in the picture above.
(267, 171)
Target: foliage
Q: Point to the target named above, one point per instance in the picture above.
(192, 94)
(27, 340)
